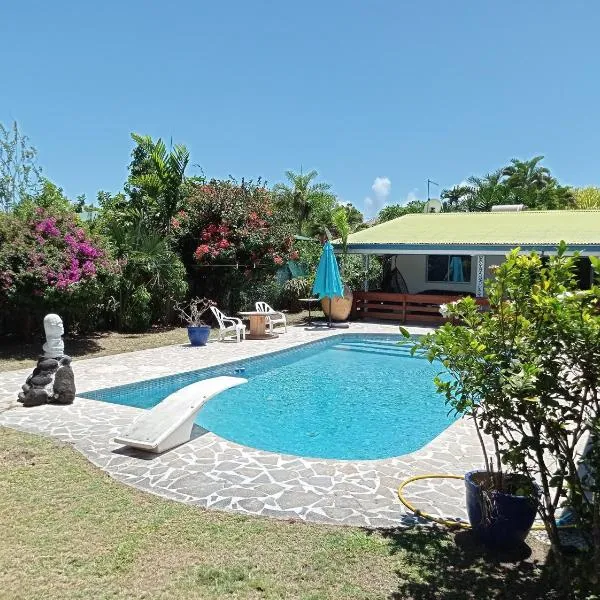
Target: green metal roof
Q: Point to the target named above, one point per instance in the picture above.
(579, 228)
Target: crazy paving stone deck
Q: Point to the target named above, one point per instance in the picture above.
(215, 473)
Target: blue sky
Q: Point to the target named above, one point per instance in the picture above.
(375, 95)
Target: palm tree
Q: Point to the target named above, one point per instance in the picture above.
(487, 191)
(159, 178)
(454, 197)
(527, 174)
(303, 198)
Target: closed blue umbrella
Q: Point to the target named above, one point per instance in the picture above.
(328, 283)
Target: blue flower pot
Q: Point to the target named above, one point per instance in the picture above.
(198, 335)
(505, 521)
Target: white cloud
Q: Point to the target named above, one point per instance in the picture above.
(382, 187)
(411, 196)
(368, 203)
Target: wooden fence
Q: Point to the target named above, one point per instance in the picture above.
(406, 308)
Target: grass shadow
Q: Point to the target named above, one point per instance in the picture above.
(14, 349)
(446, 565)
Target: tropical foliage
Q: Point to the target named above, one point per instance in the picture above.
(155, 184)
(50, 261)
(231, 234)
(19, 172)
(393, 211)
(309, 204)
(528, 374)
(520, 182)
(587, 198)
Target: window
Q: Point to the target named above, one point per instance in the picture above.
(450, 268)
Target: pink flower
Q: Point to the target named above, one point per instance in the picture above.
(224, 244)
(89, 269)
(278, 260)
(201, 251)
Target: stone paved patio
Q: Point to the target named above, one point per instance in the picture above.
(212, 472)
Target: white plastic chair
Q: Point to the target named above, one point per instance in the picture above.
(274, 315)
(235, 324)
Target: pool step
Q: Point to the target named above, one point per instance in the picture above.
(375, 349)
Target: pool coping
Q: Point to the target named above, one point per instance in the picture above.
(215, 473)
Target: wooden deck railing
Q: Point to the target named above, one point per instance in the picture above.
(406, 308)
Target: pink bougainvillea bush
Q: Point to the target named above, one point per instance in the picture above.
(49, 261)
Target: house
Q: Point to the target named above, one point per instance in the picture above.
(442, 255)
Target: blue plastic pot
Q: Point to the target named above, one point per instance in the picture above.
(198, 335)
(506, 520)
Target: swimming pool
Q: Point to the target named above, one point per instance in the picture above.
(346, 397)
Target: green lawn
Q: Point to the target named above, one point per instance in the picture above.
(22, 354)
(68, 531)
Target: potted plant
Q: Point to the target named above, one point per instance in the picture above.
(192, 312)
(526, 371)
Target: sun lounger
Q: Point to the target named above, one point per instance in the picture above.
(170, 423)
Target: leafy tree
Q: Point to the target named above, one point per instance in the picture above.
(587, 197)
(156, 179)
(527, 372)
(49, 197)
(153, 276)
(50, 261)
(19, 173)
(526, 174)
(231, 236)
(454, 197)
(520, 182)
(310, 204)
(393, 211)
(355, 217)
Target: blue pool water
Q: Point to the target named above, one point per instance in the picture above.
(351, 397)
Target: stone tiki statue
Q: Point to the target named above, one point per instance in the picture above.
(54, 330)
(52, 379)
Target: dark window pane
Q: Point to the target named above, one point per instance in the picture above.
(437, 267)
(453, 268)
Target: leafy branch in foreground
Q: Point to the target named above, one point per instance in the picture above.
(527, 372)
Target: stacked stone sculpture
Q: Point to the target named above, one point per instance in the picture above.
(52, 380)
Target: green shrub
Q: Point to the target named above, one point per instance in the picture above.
(268, 291)
(293, 290)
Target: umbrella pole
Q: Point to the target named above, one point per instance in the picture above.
(330, 312)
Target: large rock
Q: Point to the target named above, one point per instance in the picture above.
(47, 364)
(64, 386)
(33, 397)
(52, 380)
(40, 380)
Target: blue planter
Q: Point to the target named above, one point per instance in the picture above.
(198, 335)
(507, 519)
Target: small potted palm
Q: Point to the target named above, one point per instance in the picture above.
(192, 312)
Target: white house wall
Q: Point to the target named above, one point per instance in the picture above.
(413, 268)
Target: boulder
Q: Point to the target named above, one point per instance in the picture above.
(40, 381)
(64, 386)
(47, 364)
(34, 397)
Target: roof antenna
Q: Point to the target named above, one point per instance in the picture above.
(428, 182)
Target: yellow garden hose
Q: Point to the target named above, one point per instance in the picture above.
(440, 520)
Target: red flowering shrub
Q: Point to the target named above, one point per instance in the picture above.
(48, 261)
(233, 234)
